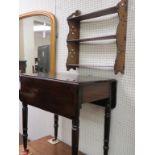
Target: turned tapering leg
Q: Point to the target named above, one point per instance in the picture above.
(107, 127)
(56, 119)
(75, 136)
(25, 121)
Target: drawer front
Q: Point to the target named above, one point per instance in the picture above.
(52, 96)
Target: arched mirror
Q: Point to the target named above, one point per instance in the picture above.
(37, 43)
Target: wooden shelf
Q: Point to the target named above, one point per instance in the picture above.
(42, 147)
(93, 39)
(96, 14)
(92, 66)
(73, 39)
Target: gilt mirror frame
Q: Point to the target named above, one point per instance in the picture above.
(52, 35)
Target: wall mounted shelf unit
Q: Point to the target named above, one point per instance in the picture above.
(73, 39)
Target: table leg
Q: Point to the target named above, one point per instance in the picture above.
(75, 136)
(56, 119)
(25, 121)
(107, 127)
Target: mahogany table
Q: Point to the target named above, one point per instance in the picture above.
(64, 95)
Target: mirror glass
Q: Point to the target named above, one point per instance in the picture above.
(34, 44)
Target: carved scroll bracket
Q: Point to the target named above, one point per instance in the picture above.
(73, 47)
(121, 37)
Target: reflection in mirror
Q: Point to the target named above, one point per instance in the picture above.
(34, 44)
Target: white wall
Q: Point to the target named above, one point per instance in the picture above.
(28, 37)
(40, 41)
(21, 41)
(91, 120)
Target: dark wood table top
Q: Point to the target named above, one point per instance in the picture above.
(67, 78)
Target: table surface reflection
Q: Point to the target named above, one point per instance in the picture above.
(70, 78)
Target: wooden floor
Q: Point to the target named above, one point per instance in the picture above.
(42, 147)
